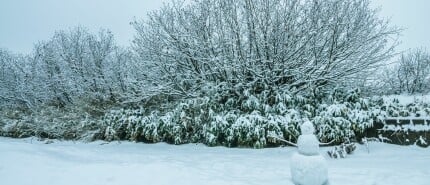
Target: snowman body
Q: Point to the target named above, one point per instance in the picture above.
(308, 145)
(308, 167)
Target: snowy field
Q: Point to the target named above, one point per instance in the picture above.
(406, 99)
(31, 162)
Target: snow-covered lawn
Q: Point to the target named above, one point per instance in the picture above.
(31, 162)
(406, 99)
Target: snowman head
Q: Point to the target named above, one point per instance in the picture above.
(307, 128)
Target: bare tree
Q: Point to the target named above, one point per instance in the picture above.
(388, 82)
(290, 44)
(413, 71)
(51, 74)
(78, 65)
(15, 77)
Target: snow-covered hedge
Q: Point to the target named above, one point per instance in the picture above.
(226, 116)
(234, 116)
(395, 108)
(49, 122)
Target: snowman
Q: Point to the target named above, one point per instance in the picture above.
(308, 167)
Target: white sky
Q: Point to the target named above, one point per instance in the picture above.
(411, 15)
(24, 22)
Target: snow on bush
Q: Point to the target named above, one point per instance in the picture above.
(244, 119)
(234, 116)
(396, 108)
(49, 122)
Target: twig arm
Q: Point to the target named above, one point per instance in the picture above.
(324, 144)
(283, 140)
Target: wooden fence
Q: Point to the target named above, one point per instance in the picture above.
(402, 131)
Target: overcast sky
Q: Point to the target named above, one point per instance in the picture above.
(24, 22)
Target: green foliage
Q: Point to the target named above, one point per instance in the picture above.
(240, 116)
(346, 116)
(394, 108)
(224, 115)
(52, 123)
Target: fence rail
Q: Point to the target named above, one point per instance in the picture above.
(402, 131)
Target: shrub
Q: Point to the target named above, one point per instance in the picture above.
(247, 119)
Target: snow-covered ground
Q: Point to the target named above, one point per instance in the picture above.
(31, 162)
(406, 99)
